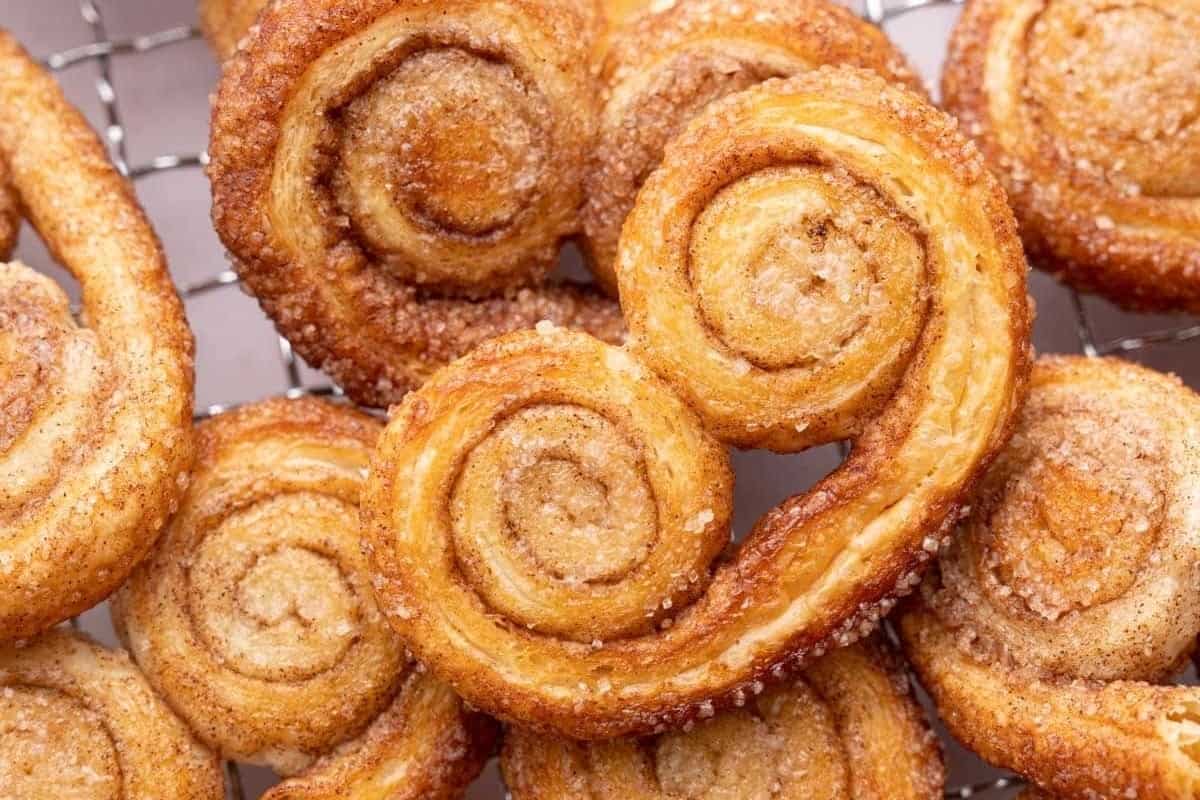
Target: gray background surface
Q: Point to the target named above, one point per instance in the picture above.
(163, 98)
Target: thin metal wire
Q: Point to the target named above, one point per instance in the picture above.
(100, 52)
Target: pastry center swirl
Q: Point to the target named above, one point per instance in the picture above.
(276, 607)
(466, 159)
(789, 265)
(52, 746)
(1119, 86)
(1071, 521)
(574, 494)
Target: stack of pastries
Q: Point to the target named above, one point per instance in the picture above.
(532, 554)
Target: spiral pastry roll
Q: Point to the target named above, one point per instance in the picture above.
(542, 515)
(78, 720)
(394, 177)
(849, 729)
(254, 617)
(95, 418)
(1071, 590)
(664, 68)
(1087, 109)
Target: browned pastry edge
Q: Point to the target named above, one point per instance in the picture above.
(225, 22)
(10, 213)
(1064, 213)
(106, 497)
(377, 335)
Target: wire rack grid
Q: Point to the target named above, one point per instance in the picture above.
(101, 52)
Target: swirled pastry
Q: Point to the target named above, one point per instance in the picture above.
(254, 617)
(1071, 590)
(77, 720)
(95, 419)
(542, 515)
(847, 730)
(665, 67)
(1087, 109)
(394, 177)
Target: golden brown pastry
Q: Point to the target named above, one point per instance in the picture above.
(1087, 109)
(10, 213)
(1070, 590)
(254, 617)
(78, 720)
(542, 516)
(225, 22)
(849, 729)
(95, 417)
(394, 178)
(667, 66)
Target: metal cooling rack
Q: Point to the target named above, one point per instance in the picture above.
(103, 49)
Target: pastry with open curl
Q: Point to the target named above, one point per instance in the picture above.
(255, 619)
(394, 178)
(849, 729)
(1069, 595)
(1089, 111)
(818, 258)
(79, 720)
(95, 414)
(665, 67)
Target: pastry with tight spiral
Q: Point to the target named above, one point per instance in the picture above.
(95, 412)
(545, 517)
(254, 618)
(848, 729)
(1089, 111)
(394, 178)
(79, 720)
(1056, 615)
(665, 67)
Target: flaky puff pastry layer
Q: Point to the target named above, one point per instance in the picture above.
(543, 514)
(79, 720)
(848, 729)
(95, 415)
(255, 619)
(1088, 111)
(1070, 590)
(664, 67)
(394, 178)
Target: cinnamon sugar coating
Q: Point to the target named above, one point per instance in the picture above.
(79, 720)
(1089, 111)
(394, 179)
(847, 729)
(666, 65)
(256, 620)
(95, 414)
(1068, 596)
